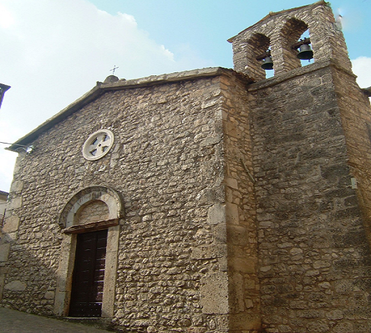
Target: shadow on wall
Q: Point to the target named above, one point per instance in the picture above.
(30, 282)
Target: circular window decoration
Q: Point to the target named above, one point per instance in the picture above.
(98, 145)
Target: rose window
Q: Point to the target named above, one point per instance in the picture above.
(98, 145)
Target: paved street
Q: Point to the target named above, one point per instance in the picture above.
(19, 322)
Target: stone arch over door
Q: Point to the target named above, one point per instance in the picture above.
(69, 217)
(91, 209)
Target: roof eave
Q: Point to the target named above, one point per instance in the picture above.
(101, 88)
(63, 114)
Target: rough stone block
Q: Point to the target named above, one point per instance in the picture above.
(216, 214)
(49, 295)
(15, 203)
(11, 224)
(59, 303)
(232, 213)
(231, 182)
(17, 186)
(205, 252)
(4, 251)
(237, 235)
(214, 293)
(16, 286)
(220, 233)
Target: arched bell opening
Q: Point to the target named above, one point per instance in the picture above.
(303, 48)
(296, 44)
(261, 61)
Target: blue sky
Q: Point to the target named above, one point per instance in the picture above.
(53, 51)
(205, 25)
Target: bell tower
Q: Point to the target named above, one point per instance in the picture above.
(280, 33)
(311, 154)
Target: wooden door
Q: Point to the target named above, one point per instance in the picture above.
(88, 275)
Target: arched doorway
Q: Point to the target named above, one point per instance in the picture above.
(88, 264)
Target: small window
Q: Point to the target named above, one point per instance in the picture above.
(98, 145)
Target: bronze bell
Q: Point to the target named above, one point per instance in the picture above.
(305, 52)
(267, 63)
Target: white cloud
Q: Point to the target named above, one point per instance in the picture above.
(362, 68)
(53, 51)
(6, 17)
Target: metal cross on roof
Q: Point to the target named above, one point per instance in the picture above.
(113, 69)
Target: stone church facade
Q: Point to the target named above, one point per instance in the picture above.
(212, 200)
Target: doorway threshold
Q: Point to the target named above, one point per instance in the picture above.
(96, 322)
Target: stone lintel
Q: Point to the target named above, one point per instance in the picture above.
(88, 227)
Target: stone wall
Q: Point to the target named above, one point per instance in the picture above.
(168, 165)
(311, 159)
(314, 257)
(356, 121)
(4, 248)
(240, 210)
(3, 204)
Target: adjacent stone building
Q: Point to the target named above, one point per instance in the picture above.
(212, 200)
(3, 204)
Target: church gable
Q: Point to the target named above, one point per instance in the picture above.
(167, 214)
